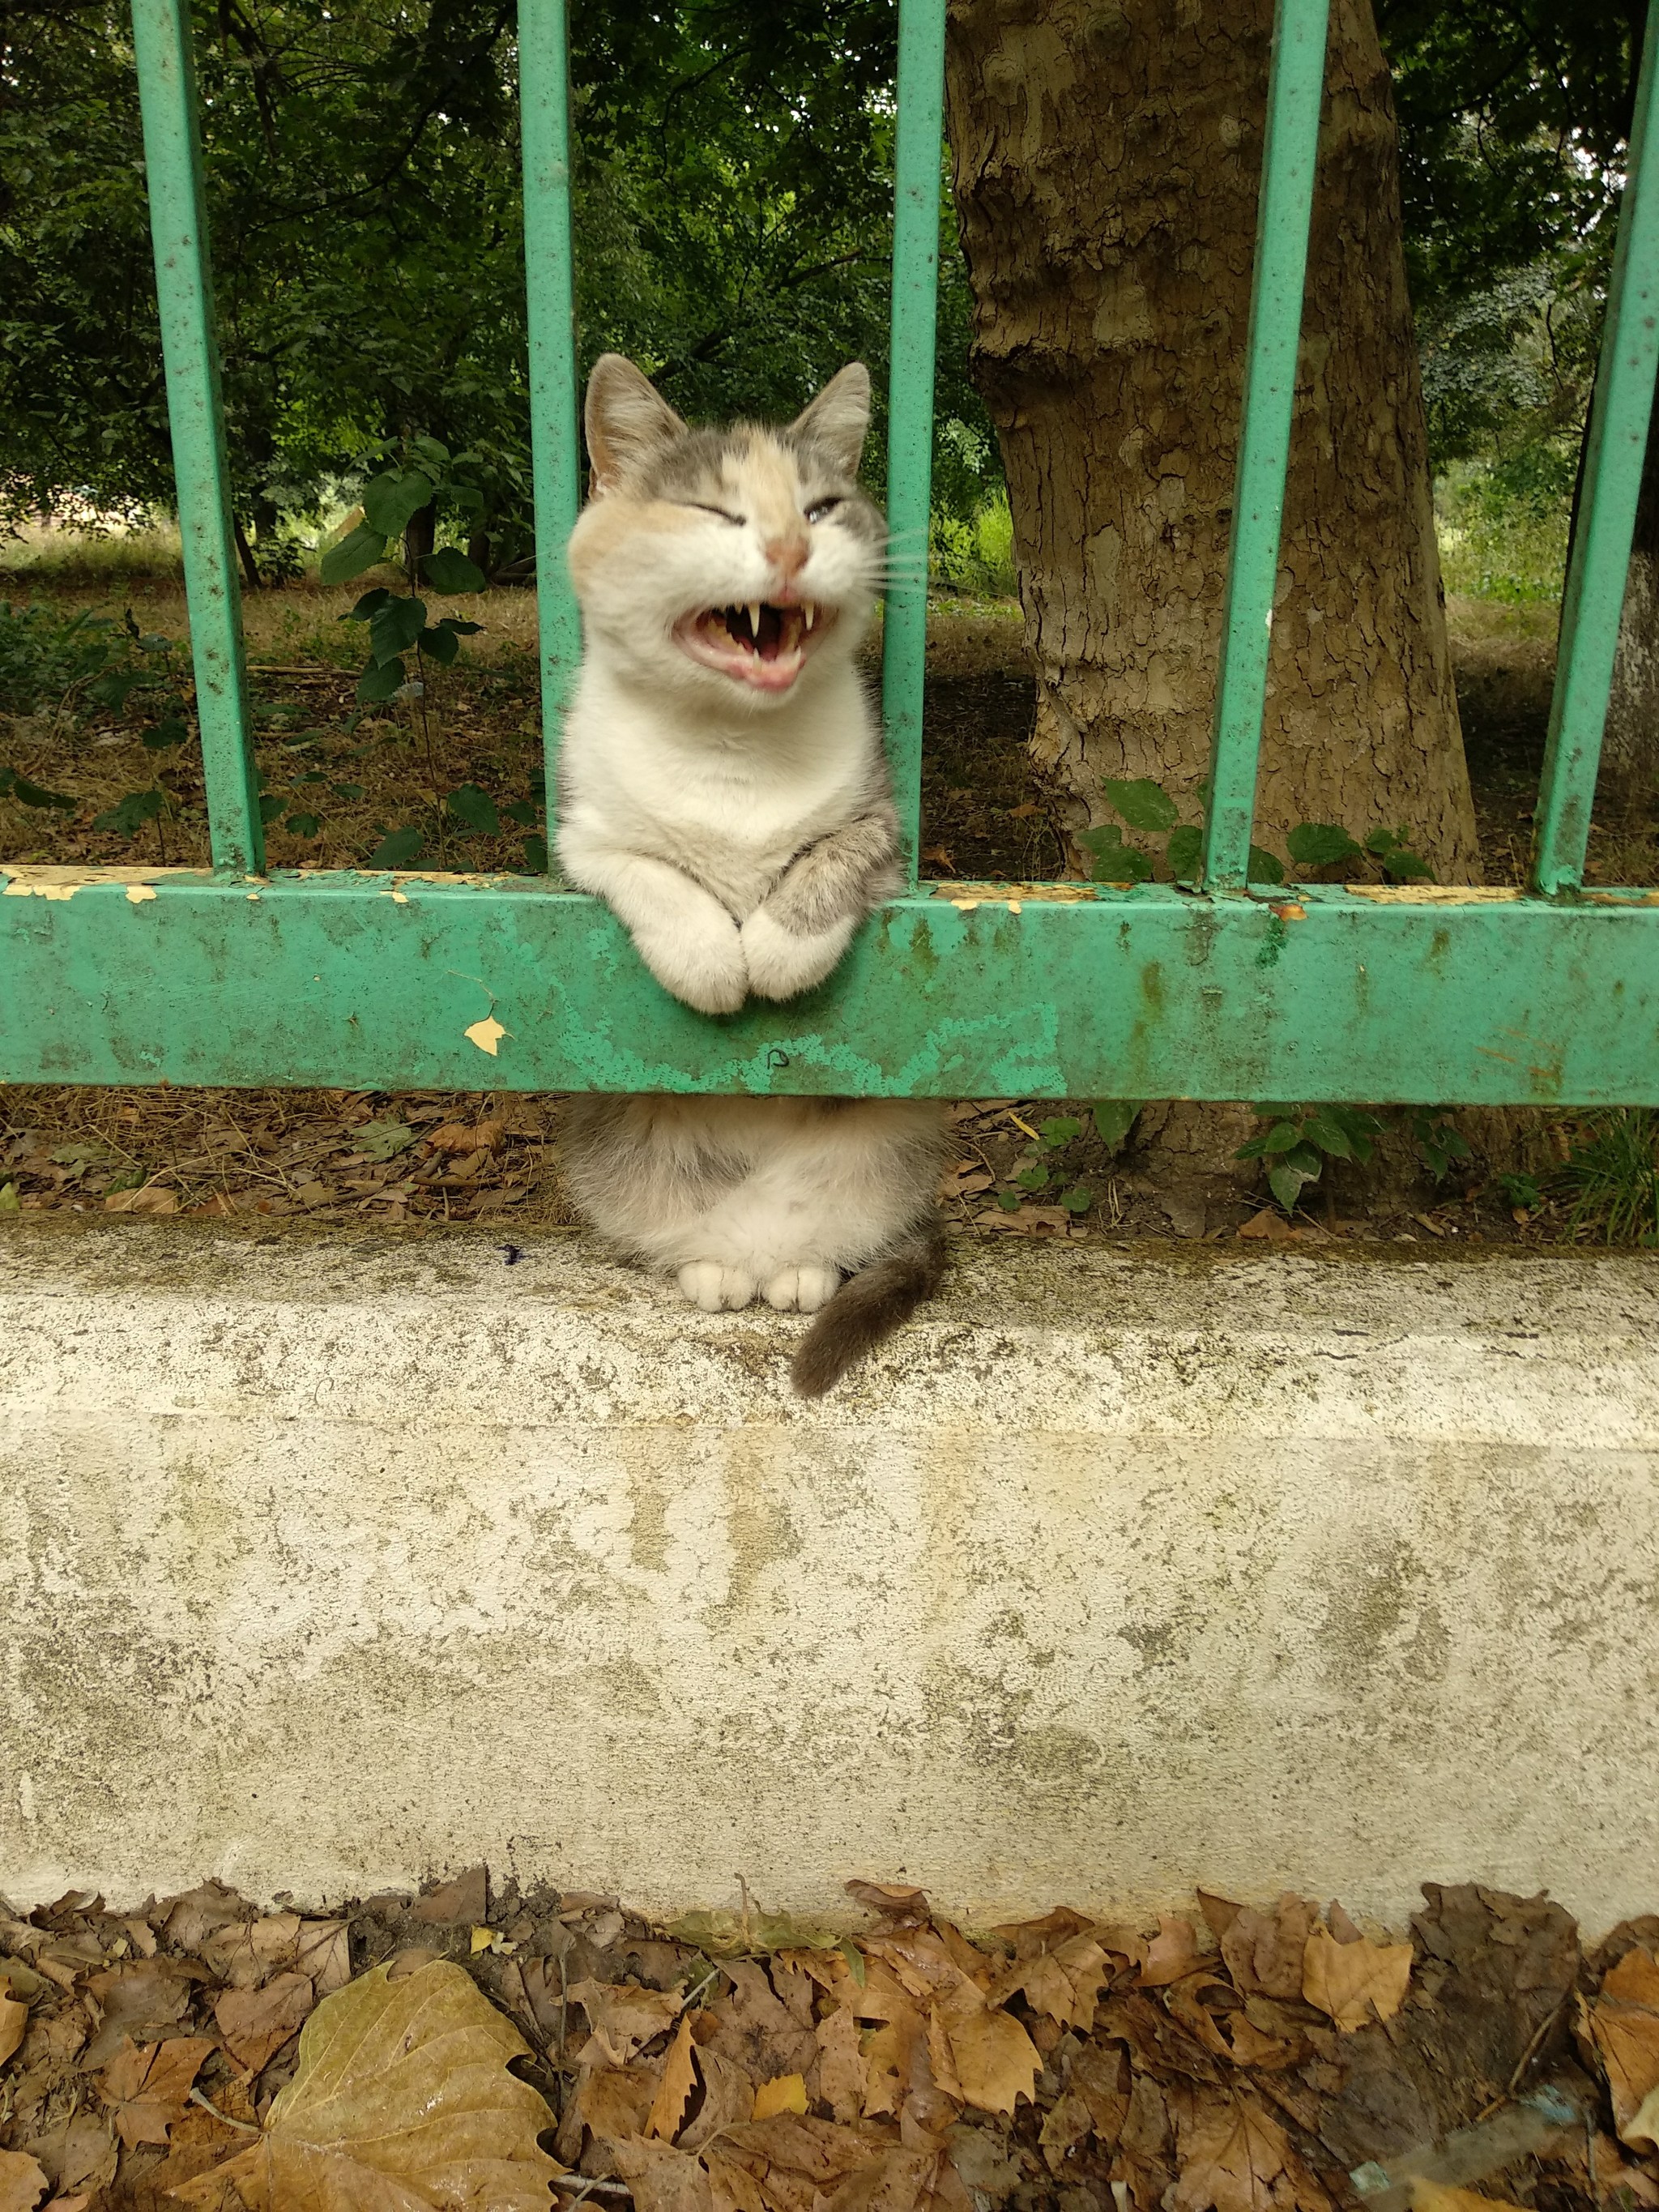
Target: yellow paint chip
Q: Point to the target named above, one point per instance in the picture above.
(1013, 906)
(486, 1035)
(137, 893)
(252, 897)
(965, 906)
(398, 897)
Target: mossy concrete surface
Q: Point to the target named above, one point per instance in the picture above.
(326, 1563)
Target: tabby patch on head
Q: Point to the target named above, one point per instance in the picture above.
(724, 563)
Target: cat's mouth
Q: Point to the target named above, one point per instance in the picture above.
(758, 644)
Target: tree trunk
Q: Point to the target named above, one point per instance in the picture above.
(1629, 781)
(1107, 159)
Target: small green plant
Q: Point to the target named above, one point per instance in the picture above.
(1300, 1139)
(1521, 1193)
(1042, 1172)
(397, 622)
(1145, 806)
(1434, 1140)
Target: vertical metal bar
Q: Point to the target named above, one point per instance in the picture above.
(1289, 156)
(1594, 599)
(555, 453)
(184, 286)
(911, 398)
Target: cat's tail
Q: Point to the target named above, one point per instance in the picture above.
(867, 1307)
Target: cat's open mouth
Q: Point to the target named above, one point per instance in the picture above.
(758, 644)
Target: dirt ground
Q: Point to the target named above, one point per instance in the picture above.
(1248, 2060)
(460, 769)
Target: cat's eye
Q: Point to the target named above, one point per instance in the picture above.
(725, 514)
(822, 510)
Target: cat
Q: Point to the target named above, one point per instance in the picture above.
(723, 789)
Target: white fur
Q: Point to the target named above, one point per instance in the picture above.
(810, 1190)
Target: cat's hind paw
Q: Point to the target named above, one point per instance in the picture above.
(801, 1290)
(716, 1289)
(781, 963)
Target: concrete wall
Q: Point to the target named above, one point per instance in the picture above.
(327, 1563)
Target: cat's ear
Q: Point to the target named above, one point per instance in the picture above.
(839, 418)
(626, 417)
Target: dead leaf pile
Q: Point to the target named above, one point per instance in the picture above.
(200, 2053)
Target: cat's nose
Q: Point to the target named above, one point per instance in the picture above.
(787, 555)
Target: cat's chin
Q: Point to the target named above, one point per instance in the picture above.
(769, 663)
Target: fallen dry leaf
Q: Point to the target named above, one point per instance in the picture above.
(1231, 2158)
(146, 1199)
(1634, 1980)
(784, 2093)
(464, 1899)
(22, 2183)
(256, 2023)
(842, 2076)
(679, 2078)
(996, 2061)
(1355, 1982)
(1439, 2196)
(1172, 1952)
(13, 2019)
(323, 1955)
(146, 2085)
(1625, 2023)
(622, 2017)
(1265, 1952)
(662, 2179)
(402, 2100)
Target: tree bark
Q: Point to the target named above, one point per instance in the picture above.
(1629, 781)
(1107, 159)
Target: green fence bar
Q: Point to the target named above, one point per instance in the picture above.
(1595, 595)
(1487, 998)
(555, 452)
(910, 397)
(1289, 156)
(178, 220)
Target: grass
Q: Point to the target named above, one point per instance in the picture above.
(1610, 1183)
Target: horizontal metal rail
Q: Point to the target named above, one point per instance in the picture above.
(343, 979)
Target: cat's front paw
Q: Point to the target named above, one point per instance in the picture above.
(783, 963)
(714, 1288)
(705, 968)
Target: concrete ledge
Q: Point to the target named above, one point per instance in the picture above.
(325, 1563)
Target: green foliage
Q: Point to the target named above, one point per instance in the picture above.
(130, 813)
(14, 786)
(1300, 1139)
(475, 810)
(49, 658)
(398, 848)
(1148, 807)
(449, 571)
(1434, 1139)
(1113, 1118)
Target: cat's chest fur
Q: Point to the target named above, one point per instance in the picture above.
(730, 809)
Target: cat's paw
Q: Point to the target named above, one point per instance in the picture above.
(782, 964)
(714, 1288)
(801, 1290)
(704, 966)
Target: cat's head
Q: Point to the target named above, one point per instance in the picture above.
(725, 565)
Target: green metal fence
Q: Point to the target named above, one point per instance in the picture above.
(1222, 990)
